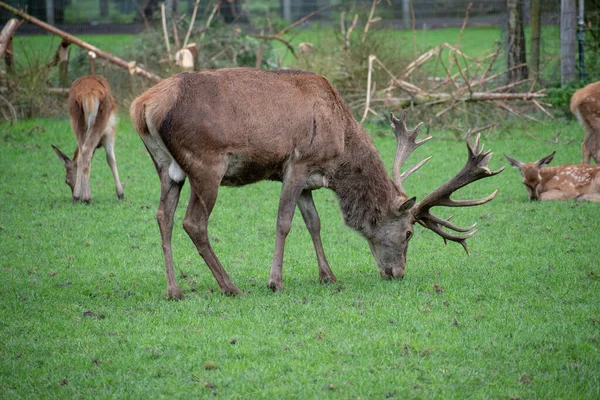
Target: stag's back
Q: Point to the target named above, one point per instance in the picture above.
(259, 116)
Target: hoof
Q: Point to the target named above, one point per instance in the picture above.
(175, 294)
(327, 279)
(275, 286)
(79, 200)
(121, 196)
(232, 291)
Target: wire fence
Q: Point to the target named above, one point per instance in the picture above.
(132, 16)
(108, 16)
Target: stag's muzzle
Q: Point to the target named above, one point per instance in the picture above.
(392, 273)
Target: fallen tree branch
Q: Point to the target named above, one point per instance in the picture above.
(277, 36)
(130, 66)
(449, 91)
(7, 33)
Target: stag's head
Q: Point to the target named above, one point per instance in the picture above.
(530, 172)
(389, 241)
(70, 167)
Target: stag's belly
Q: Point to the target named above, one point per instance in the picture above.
(241, 171)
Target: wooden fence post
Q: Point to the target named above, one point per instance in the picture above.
(63, 64)
(6, 47)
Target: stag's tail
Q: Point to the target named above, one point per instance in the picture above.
(148, 112)
(152, 106)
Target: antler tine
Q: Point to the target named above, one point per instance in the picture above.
(448, 202)
(462, 239)
(407, 143)
(446, 223)
(475, 168)
(412, 169)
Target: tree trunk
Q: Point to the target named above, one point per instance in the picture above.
(104, 8)
(534, 62)
(286, 10)
(516, 41)
(231, 10)
(50, 12)
(568, 29)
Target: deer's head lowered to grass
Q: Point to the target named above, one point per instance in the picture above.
(92, 114)
(563, 182)
(238, 126)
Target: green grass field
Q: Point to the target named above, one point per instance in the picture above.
(83, 314)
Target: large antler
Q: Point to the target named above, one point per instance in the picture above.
(406, 145)
(476, 168)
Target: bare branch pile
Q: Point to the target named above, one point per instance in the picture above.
(466, 79)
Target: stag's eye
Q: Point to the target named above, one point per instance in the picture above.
(408, 235)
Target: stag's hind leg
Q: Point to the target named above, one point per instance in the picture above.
(204, 189)
(169, 198)
(109, 146)
(313, 223)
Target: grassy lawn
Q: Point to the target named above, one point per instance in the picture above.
(83, 314)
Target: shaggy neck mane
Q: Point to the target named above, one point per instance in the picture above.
(362, 183)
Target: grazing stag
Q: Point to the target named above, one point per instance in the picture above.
(564, 182)
(238, 126)
(585, 104)
(92, 114)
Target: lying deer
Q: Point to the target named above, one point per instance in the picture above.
(564, 182)
(92, 114)
(233, 127)
(585, 104)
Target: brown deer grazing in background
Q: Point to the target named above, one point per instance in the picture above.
(92, 114)
(238, 126)
(585, 104)
(564, 182)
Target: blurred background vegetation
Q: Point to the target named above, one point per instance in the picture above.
(253, 33)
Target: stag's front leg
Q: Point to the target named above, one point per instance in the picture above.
(313, 223)
(293, 183)
(169, 198)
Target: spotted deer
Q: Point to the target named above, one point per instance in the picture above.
(563, 182)
(92, 114)
(585, 104)
(233, 127)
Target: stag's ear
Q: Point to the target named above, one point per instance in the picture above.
(62, 156)
(407, 205)
(546, 160)
(514, 162)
